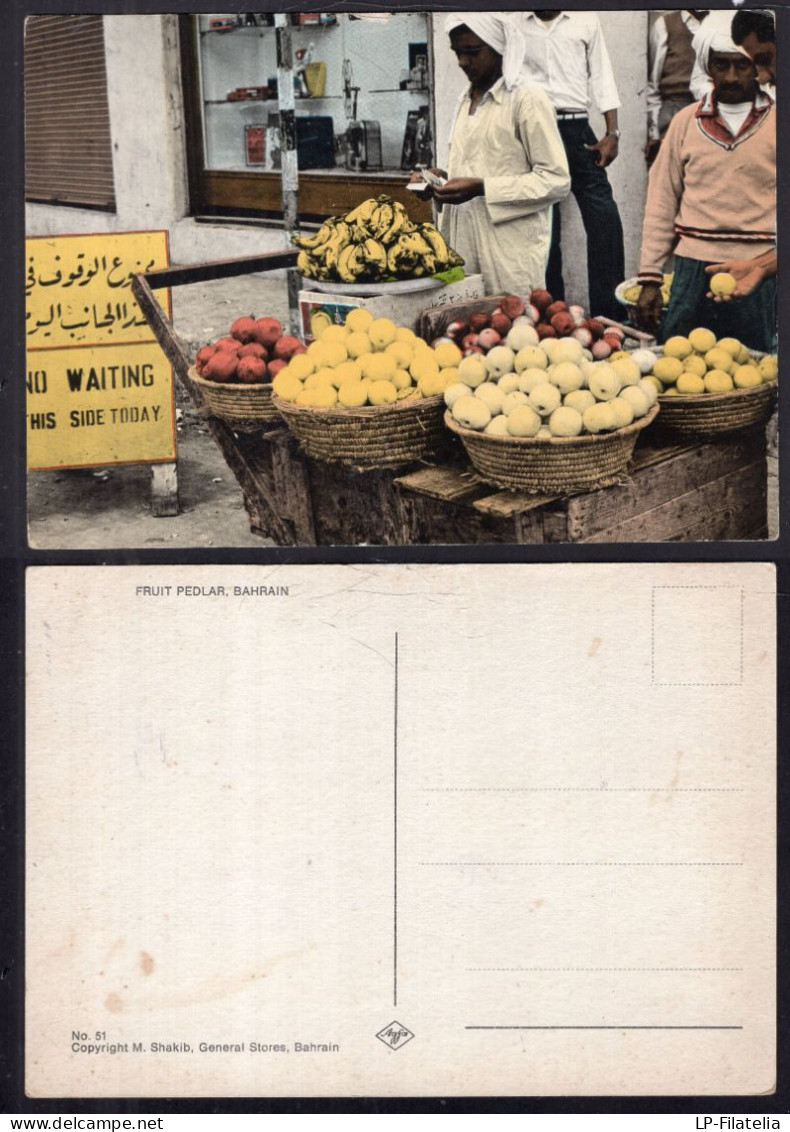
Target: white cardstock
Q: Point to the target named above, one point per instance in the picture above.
(400, 830)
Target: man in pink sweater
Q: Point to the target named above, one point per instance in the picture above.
(712, 198)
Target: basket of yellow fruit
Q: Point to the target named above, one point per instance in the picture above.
(367, 394)
(709, 388)
(629, 290)
(546, 418)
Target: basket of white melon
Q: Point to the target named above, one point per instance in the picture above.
(707, 387)
(542, 416)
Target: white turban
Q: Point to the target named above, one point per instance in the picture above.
(502, 34)
(715, 34)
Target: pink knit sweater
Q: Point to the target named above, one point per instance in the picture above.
(711, 196)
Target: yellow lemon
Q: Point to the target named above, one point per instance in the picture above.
(319, 353)
(320, 377)
(402, 379)
(668, 370)
(358, 319)
(336, 352)
(722, 283)
(717, 381)
(690, 383)
(324, 397)
(424, 363)
(618, 356)
(659, 385)
(378, 367)
(450, 373)
(677, 347)
(433, 384)
(720, 359)
(412, 393)
(306, 397)
(381, 332)
(731, 345)
(694, 363)
(287, 386)
(335, 333)
(743, 356)
(671, 392)
(403, 334)
(769, 367)
(702, 339)
(358, 344)
(382, 393)
(353, 394)
(401, 352)
(448, 354)
(746, 377)
(346, 371)
(301, 366)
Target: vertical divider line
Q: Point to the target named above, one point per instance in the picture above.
(395, 835)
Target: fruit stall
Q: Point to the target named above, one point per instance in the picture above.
(411, 408)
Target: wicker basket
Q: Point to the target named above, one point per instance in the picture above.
(375, 436)
(717, 414)
(246, 408)
(553, 464)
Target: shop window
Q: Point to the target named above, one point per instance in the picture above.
(363, 109)
(68, 149)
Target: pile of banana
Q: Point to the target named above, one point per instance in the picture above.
(374, 242)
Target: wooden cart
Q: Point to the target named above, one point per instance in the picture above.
(674, 492)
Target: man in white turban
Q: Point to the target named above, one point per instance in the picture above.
(507, 163)
(711, 200)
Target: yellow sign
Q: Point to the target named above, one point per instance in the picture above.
(92, 405)
(99, 387)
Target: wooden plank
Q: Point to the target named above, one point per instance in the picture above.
(431, 522)
(354, 508)
(508, 504)
(166, 336)
(449, 484)
(292, 487)
(219, 269)
(249, 457)
(726, 508)
(659, 483)
(164, 489)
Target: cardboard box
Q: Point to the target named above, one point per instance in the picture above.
(404, 308)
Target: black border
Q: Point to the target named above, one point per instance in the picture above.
(15, 556)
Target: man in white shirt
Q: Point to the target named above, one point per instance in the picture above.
(567, 56)
(675, 77)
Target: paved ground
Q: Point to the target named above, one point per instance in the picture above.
(111, 508)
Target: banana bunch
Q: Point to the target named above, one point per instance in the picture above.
(376, 241)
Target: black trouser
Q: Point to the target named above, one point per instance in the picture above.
(601, 219)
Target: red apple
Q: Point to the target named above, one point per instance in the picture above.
(601, 350)
(242, 329)
(221, 366)
(584, 336)
(545, 331)
(541, 299)
(275, 367)
(554, 308)
(501, 323)
(251, 370)
(562, 323)
(231, 344)
(267, 331)
(286, 346)
(595, 327)
(473, 350)
(470, 340)
(512, 306)
(488, 338)
(478, 321)
(577, 313)
(202, 356)
(253, 350)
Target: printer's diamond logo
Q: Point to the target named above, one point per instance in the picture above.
(395, 1035)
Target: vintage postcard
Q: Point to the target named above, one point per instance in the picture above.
(290, 276)
(401, 830)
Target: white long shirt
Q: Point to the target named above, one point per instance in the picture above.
(699, 84)
(567, 56)
(512, 144)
